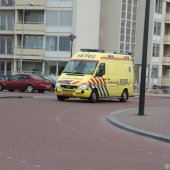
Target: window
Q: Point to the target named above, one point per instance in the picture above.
(155, 71)
(61, 43)
(128, 39)
(135, 2)
(156, 49)
(123, 7)
(128, 25)
(129, 8)
(51, 43)
(9, 46)
(7, 2)
(65, 18)
(64, 44)
(123, 15)
(122, 30)
(123, 23)
(157, 28)
(6, 45)
(15, 77)
(33, 41)
(122, 46)
(130, 2)
(158, 6)
(127, 47)
(59, 18)
(101, 70)
(24, 77)
(80, 67)
(2, 45)
(127, 31)
(6, 21)
(34, 16)
(52, 18)
(122, 37)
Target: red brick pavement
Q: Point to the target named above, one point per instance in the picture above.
(74, 135)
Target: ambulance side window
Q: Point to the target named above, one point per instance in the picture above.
(101, 70)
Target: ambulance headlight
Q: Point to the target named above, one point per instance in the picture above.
(83, 87)
(57, 85)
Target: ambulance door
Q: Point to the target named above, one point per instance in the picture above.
(103, 78)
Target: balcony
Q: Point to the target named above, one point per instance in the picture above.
(40, 4)
(167, 18)
(39, 28)
(166, 60)
(167, 39)
(30, 53)
(165, 81)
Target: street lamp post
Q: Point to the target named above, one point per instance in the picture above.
(22, 38)
(144, 60)
(72, 37)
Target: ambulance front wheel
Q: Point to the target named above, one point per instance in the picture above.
(94, 97)
(124, 96)
(61, 98)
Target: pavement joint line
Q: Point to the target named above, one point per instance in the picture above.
(115, 121)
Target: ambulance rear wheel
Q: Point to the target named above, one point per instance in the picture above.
(124, 96)
(94, 97)
(61, 98)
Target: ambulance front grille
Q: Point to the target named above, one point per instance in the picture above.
(69, 87)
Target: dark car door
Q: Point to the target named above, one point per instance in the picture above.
(23, 81)
(11, 83)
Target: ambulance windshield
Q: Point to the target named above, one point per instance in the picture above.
(80, 67)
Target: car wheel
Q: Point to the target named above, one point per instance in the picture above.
(61, 98)
(1, 87)
(11, 90)
(124, 96)
(94, 97)
(30, 89)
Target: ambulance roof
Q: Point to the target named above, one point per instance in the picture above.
(100, 55)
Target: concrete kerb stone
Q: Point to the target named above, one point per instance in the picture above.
(113, 119)
(33, 97)
(13, 97)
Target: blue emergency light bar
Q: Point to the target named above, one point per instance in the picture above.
(92, 50)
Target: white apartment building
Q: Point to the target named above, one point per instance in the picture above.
(36, 34)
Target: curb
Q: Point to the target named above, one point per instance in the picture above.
(15, 97)
(113, 120)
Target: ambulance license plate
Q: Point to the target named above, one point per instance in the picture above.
(68, 93)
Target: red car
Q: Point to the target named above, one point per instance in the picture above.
(25, 82)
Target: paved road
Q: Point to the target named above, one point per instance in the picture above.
(45, 134)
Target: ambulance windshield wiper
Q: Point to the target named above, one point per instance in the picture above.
(78, 73)
(75, 73)
(67, 72)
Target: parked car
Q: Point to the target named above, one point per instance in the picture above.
(25, 82)
(52, 81)
(3, 77)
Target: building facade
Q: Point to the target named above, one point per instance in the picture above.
(34, 35)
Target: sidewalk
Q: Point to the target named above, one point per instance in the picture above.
(155, 123)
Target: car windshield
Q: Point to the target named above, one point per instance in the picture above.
(80, 67)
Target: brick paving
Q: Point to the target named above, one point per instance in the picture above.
(38, 134)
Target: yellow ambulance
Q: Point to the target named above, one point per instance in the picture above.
(93, 75)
